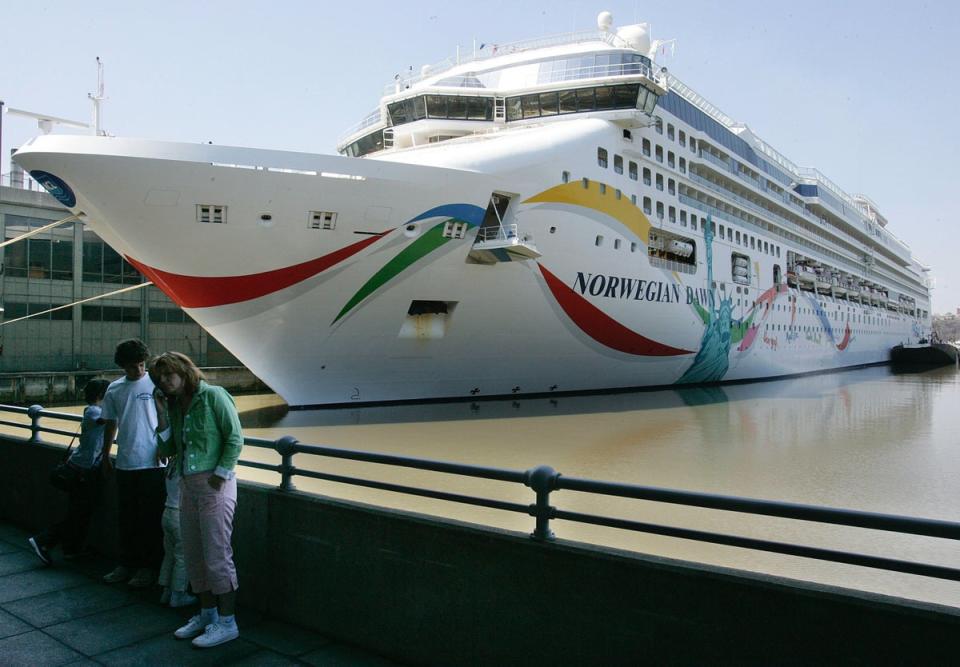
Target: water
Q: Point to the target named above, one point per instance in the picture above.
(868, 439)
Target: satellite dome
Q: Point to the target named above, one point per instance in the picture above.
(604, 20)
(636, 36)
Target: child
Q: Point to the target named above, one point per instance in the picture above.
(71, 532)
(173, 572)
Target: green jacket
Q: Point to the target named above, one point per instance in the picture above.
(208, 438)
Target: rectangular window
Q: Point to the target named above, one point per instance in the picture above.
(659, 153)
(660, 210)
(669, 132)
(660, 182)
(454, 229)
(672, 214)
(514, 109)
(671, 186)
(633, 170)
(683, 138)
(683, 165)
(671, 160)
(531, 106)
(646, 147)
(647, 205)
(211, 213)
(618, 164)
(646, 176)
(568, 101)
(604, 97)
(693, 222)
(322, 220)
(602, 157)
(549, 104)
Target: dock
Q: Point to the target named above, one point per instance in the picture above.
(66, 615)
(409, 588)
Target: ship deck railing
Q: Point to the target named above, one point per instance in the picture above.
(807, 238)
(488, 51)
(543, 482)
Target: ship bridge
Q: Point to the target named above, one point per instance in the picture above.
(606, 74)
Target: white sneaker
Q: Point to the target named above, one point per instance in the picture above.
(216, 634)
(181, 599)
(194, 627)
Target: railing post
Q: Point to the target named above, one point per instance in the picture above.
(34, 413)
(543, 480)
(285, 447)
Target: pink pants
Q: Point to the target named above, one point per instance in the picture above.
(206, 523)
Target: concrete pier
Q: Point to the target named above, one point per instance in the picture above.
(422, 590)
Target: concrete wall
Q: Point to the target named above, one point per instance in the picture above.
(427, 591)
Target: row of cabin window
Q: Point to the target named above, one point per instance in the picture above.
(672, 162)
(658, 126)
(745, 239)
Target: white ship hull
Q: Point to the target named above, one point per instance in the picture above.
(323, 316)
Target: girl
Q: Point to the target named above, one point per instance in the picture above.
(198, 423)
(71, 532)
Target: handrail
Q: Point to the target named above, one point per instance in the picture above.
(543, 480)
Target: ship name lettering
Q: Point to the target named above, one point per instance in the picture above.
(620, 287)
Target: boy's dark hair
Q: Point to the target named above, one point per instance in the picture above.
(94, 391)
(131, 351)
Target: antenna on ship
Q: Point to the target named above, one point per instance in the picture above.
(97, 99)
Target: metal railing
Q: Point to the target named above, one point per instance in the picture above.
(544, 480)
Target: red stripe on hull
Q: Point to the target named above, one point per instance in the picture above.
(600, 326)
(208, 291)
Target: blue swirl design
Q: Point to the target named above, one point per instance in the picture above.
(56, 187)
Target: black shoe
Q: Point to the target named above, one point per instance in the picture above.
(41, 551)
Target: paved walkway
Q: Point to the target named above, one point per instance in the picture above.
(64, 615)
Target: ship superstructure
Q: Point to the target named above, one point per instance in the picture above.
(555, 215)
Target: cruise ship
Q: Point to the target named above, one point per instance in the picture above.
(556, 215)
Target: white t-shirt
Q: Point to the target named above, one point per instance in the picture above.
(130, 403)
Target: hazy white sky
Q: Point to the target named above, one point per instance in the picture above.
(865, 91)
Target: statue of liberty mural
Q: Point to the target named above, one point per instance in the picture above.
(713, 358)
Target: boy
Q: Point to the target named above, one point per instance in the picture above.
(129, 412)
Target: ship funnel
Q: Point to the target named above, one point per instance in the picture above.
(636, 36)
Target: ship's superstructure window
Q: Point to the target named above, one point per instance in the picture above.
(659, 153)
(369, 143)
(591, 66)
(211, 213)
(646, 176)
(671, 159)
(618, 164)
(669, 131)
(322, 220)
(646, 147)
(647, 205)
(565, 177)
(633, 170)
(659, 181)
(602, 157)
(601, 98)
(445, 107)
(683, 138)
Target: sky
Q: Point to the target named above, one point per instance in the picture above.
(865, 91)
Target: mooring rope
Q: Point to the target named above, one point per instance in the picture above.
(76, 303)
(38, 230)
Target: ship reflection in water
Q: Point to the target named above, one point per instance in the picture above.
(868, 439)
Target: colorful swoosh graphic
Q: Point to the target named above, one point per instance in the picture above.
(207, 291)
(600, 326)
(429, 241)
(622, 210)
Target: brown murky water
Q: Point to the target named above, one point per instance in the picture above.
(868, 439)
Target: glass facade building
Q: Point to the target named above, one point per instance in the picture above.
(67, 264)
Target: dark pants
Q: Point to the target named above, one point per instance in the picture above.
(141, 495)
(71, 532)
